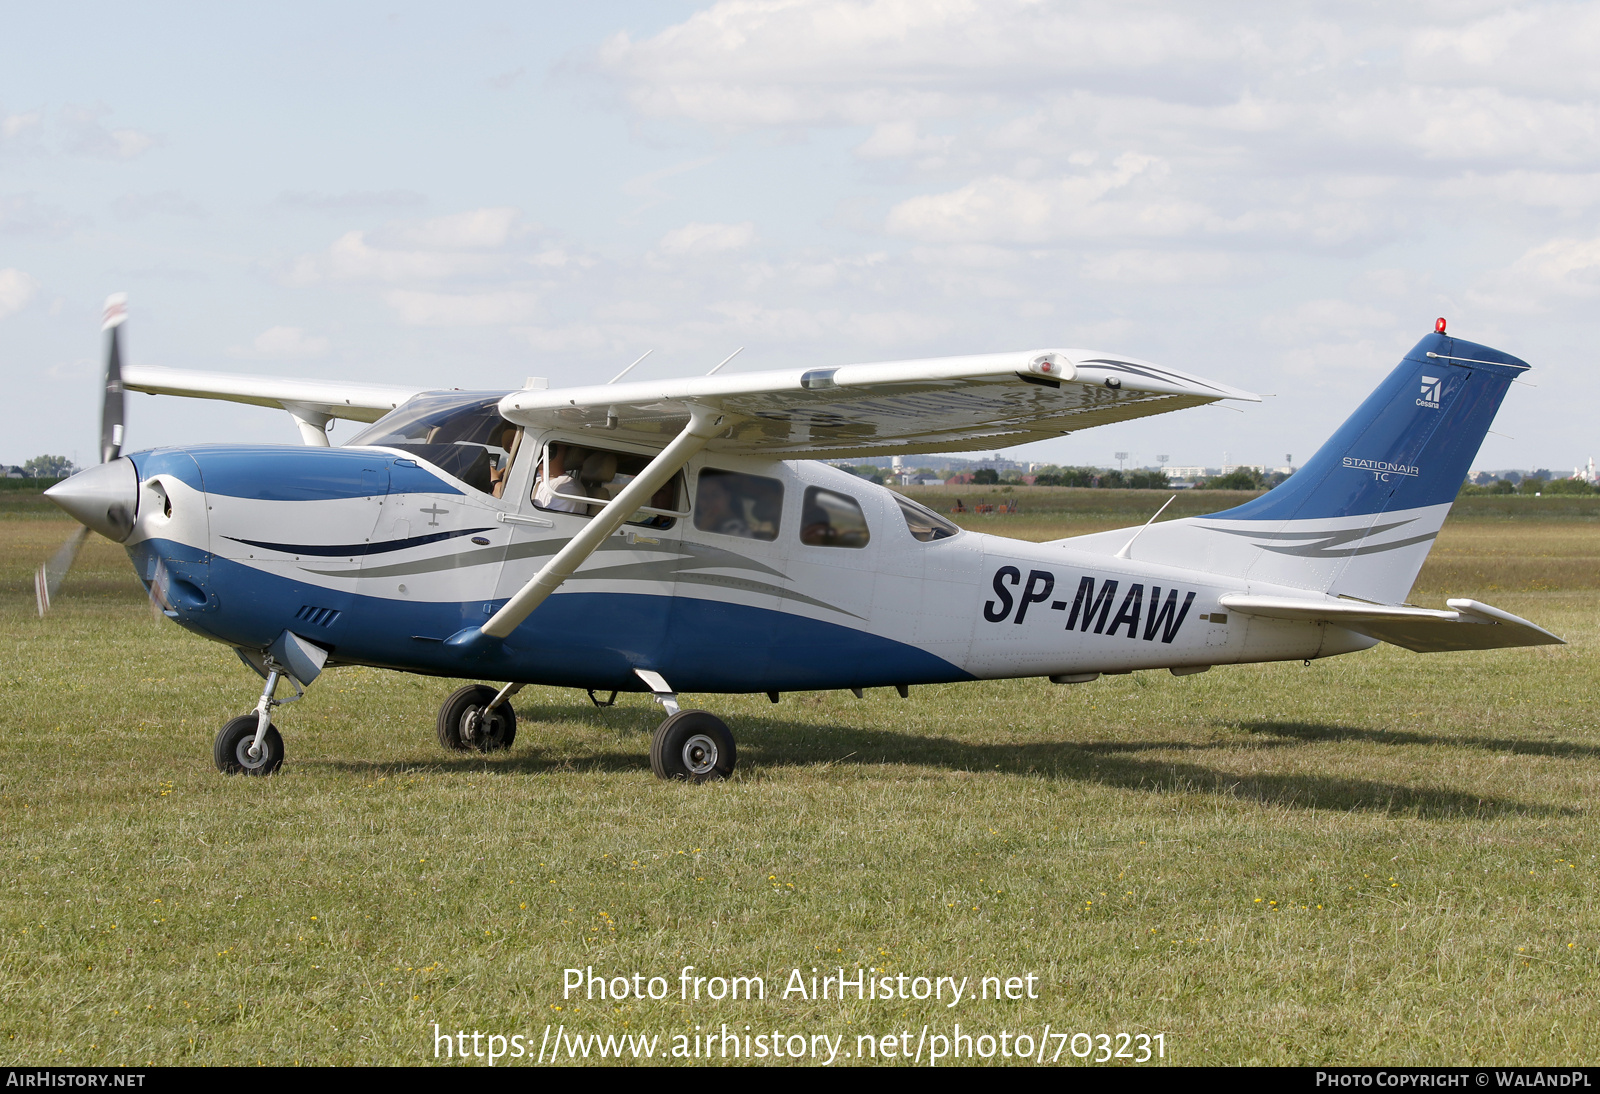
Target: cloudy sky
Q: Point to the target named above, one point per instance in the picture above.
(1279, 196)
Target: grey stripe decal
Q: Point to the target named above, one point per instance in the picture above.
(704, 556)
(1329, 544)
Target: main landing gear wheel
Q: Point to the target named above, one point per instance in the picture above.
(232, 750)
(463, 727)
(692, 745)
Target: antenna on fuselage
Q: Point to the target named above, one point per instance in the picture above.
(629, 369)
(1126, 547)
(725, 360)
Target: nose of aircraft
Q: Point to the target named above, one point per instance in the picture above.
(103, 498)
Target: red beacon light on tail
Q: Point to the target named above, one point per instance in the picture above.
(1438, 325)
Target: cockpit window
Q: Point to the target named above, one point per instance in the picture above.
(459, 433)
(831, 519)
(731, 503)
(924, 523)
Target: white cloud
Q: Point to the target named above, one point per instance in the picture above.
(283, 344)
(88, 135)
(697, 238)
(475, 229)
(13, 126)
(788, 62)
(17, 290)
(479, 245)
(1151, 267)
(25, 215)
(165, 202)
(902, 140)
(1546, 49)
(1569, 193)
(352, 258)
(1033, 211)
(1322, 320)
(434, 309)
(1562, 269)
(349, 200)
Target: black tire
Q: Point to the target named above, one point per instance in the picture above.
(462, 727)
(692, 745)
(232, 749)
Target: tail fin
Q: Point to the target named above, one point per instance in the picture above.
(1359, 518)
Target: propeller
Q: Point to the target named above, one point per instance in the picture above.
(47, 582)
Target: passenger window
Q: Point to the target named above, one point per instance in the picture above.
(578, 479)
(831, 519)
(923, 523)
(731, 503)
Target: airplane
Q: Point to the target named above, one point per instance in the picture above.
(684, 535)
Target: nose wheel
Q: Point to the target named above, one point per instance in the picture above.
(694, 746)
(237, 753)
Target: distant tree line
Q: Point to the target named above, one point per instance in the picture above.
(1243, 478)
(1104, 480)
(44, 467)
(1529, 486)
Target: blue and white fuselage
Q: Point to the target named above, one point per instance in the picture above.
(380, 559)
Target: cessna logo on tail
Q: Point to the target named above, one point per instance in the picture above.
(1091, 606)
(1430, 392)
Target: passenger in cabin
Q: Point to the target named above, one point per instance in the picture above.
(732, 503)
(714, 509)
(556, 478)
(598, 471)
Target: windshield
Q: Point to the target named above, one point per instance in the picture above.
(459, 432)
(924, 523)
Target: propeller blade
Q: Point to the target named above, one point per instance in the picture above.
(112, 407)
(47, 582)
(160, 603)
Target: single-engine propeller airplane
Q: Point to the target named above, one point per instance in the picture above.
(670, 536)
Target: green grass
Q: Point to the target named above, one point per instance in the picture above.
(1378, 858)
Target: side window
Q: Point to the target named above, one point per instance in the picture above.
(831, 519)
(923, 523)
(578, 479)
(731, 503)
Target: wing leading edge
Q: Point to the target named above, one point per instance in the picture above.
(943, 404)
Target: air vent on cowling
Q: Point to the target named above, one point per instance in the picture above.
(318, 617)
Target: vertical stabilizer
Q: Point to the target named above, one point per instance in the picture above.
(1359, 518)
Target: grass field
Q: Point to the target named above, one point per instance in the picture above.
(1382, 858)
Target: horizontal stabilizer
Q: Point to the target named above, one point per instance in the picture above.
(1469, 625)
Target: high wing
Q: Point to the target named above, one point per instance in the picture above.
(942, 404)
(310, 402)
(1469, 625)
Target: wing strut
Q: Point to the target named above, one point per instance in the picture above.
(704, 423)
